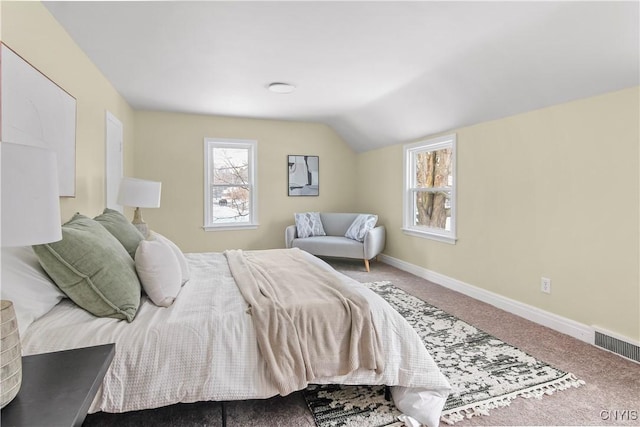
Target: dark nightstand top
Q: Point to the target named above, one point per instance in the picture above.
(58, 388)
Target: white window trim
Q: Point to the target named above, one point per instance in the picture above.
(252, 146)
(408, 200)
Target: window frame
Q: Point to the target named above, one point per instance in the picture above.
(410, 151)
(252, 146)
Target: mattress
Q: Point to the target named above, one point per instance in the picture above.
(204, 348)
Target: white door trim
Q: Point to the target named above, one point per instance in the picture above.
(114, 153)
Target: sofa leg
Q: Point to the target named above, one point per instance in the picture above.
(366, 264)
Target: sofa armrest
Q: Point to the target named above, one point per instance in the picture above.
(374, 242)
(290, 233)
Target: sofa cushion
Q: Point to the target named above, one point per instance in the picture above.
(337, 223)
(309, 224)
(361, 226)
(335, 246)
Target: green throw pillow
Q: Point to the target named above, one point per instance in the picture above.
(93, 269)
(122, 229)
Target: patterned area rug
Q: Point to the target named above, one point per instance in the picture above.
(484, 372)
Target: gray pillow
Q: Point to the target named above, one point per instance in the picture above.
(309, 224)
(361, 226)
(93, 269)
(122, 229)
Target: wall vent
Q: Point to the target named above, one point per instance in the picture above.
(619, 346)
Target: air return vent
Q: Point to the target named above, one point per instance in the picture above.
(616, 345)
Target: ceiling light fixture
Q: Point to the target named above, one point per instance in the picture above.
(281, 87)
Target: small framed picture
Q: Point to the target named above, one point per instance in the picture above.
(304, 175)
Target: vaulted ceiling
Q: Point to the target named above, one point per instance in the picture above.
(379, 73)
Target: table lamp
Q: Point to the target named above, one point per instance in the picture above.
(30, 215)
(139, 193)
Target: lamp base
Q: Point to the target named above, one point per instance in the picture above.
(10, 354)
(139, 223)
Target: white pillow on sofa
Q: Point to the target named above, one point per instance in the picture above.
(361, 226)
(182, 260)
(26, 284)
(159, 271)
(308, 224)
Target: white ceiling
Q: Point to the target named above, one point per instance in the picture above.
(379, 73)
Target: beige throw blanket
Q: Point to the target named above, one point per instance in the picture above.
(308, 323)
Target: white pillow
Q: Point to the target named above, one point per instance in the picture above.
(308, 224)
(361, 226)
(159, 271)
(25, 283)
(182, 260)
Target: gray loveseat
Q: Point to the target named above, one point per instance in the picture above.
(335, 244)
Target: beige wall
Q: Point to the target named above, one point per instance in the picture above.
(169, 148)
(554, 193)
(29, 29)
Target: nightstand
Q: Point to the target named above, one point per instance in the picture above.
(58, 388)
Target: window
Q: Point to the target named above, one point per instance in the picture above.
(230, 193)
(430, 189)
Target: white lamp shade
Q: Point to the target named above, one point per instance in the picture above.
(139, 193)
(30, 208)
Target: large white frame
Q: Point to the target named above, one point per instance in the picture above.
(38, 112)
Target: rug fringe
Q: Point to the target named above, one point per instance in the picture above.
(482, 408)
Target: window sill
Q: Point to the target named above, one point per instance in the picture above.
(432, 236)
(230, 227)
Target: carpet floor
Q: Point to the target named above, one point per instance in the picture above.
(611, 395)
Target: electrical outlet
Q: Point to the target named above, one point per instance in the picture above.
(545, 285)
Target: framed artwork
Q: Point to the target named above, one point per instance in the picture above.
(304, 175)
(38, 112)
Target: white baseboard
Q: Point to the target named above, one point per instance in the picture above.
(558, 323)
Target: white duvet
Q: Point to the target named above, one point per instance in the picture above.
(203, 347)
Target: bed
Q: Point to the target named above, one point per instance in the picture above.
(203, 346)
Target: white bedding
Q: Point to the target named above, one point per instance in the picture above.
(203, 347)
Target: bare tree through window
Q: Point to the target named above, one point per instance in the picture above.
(429, 201)
(433, 170)
(230, 182)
